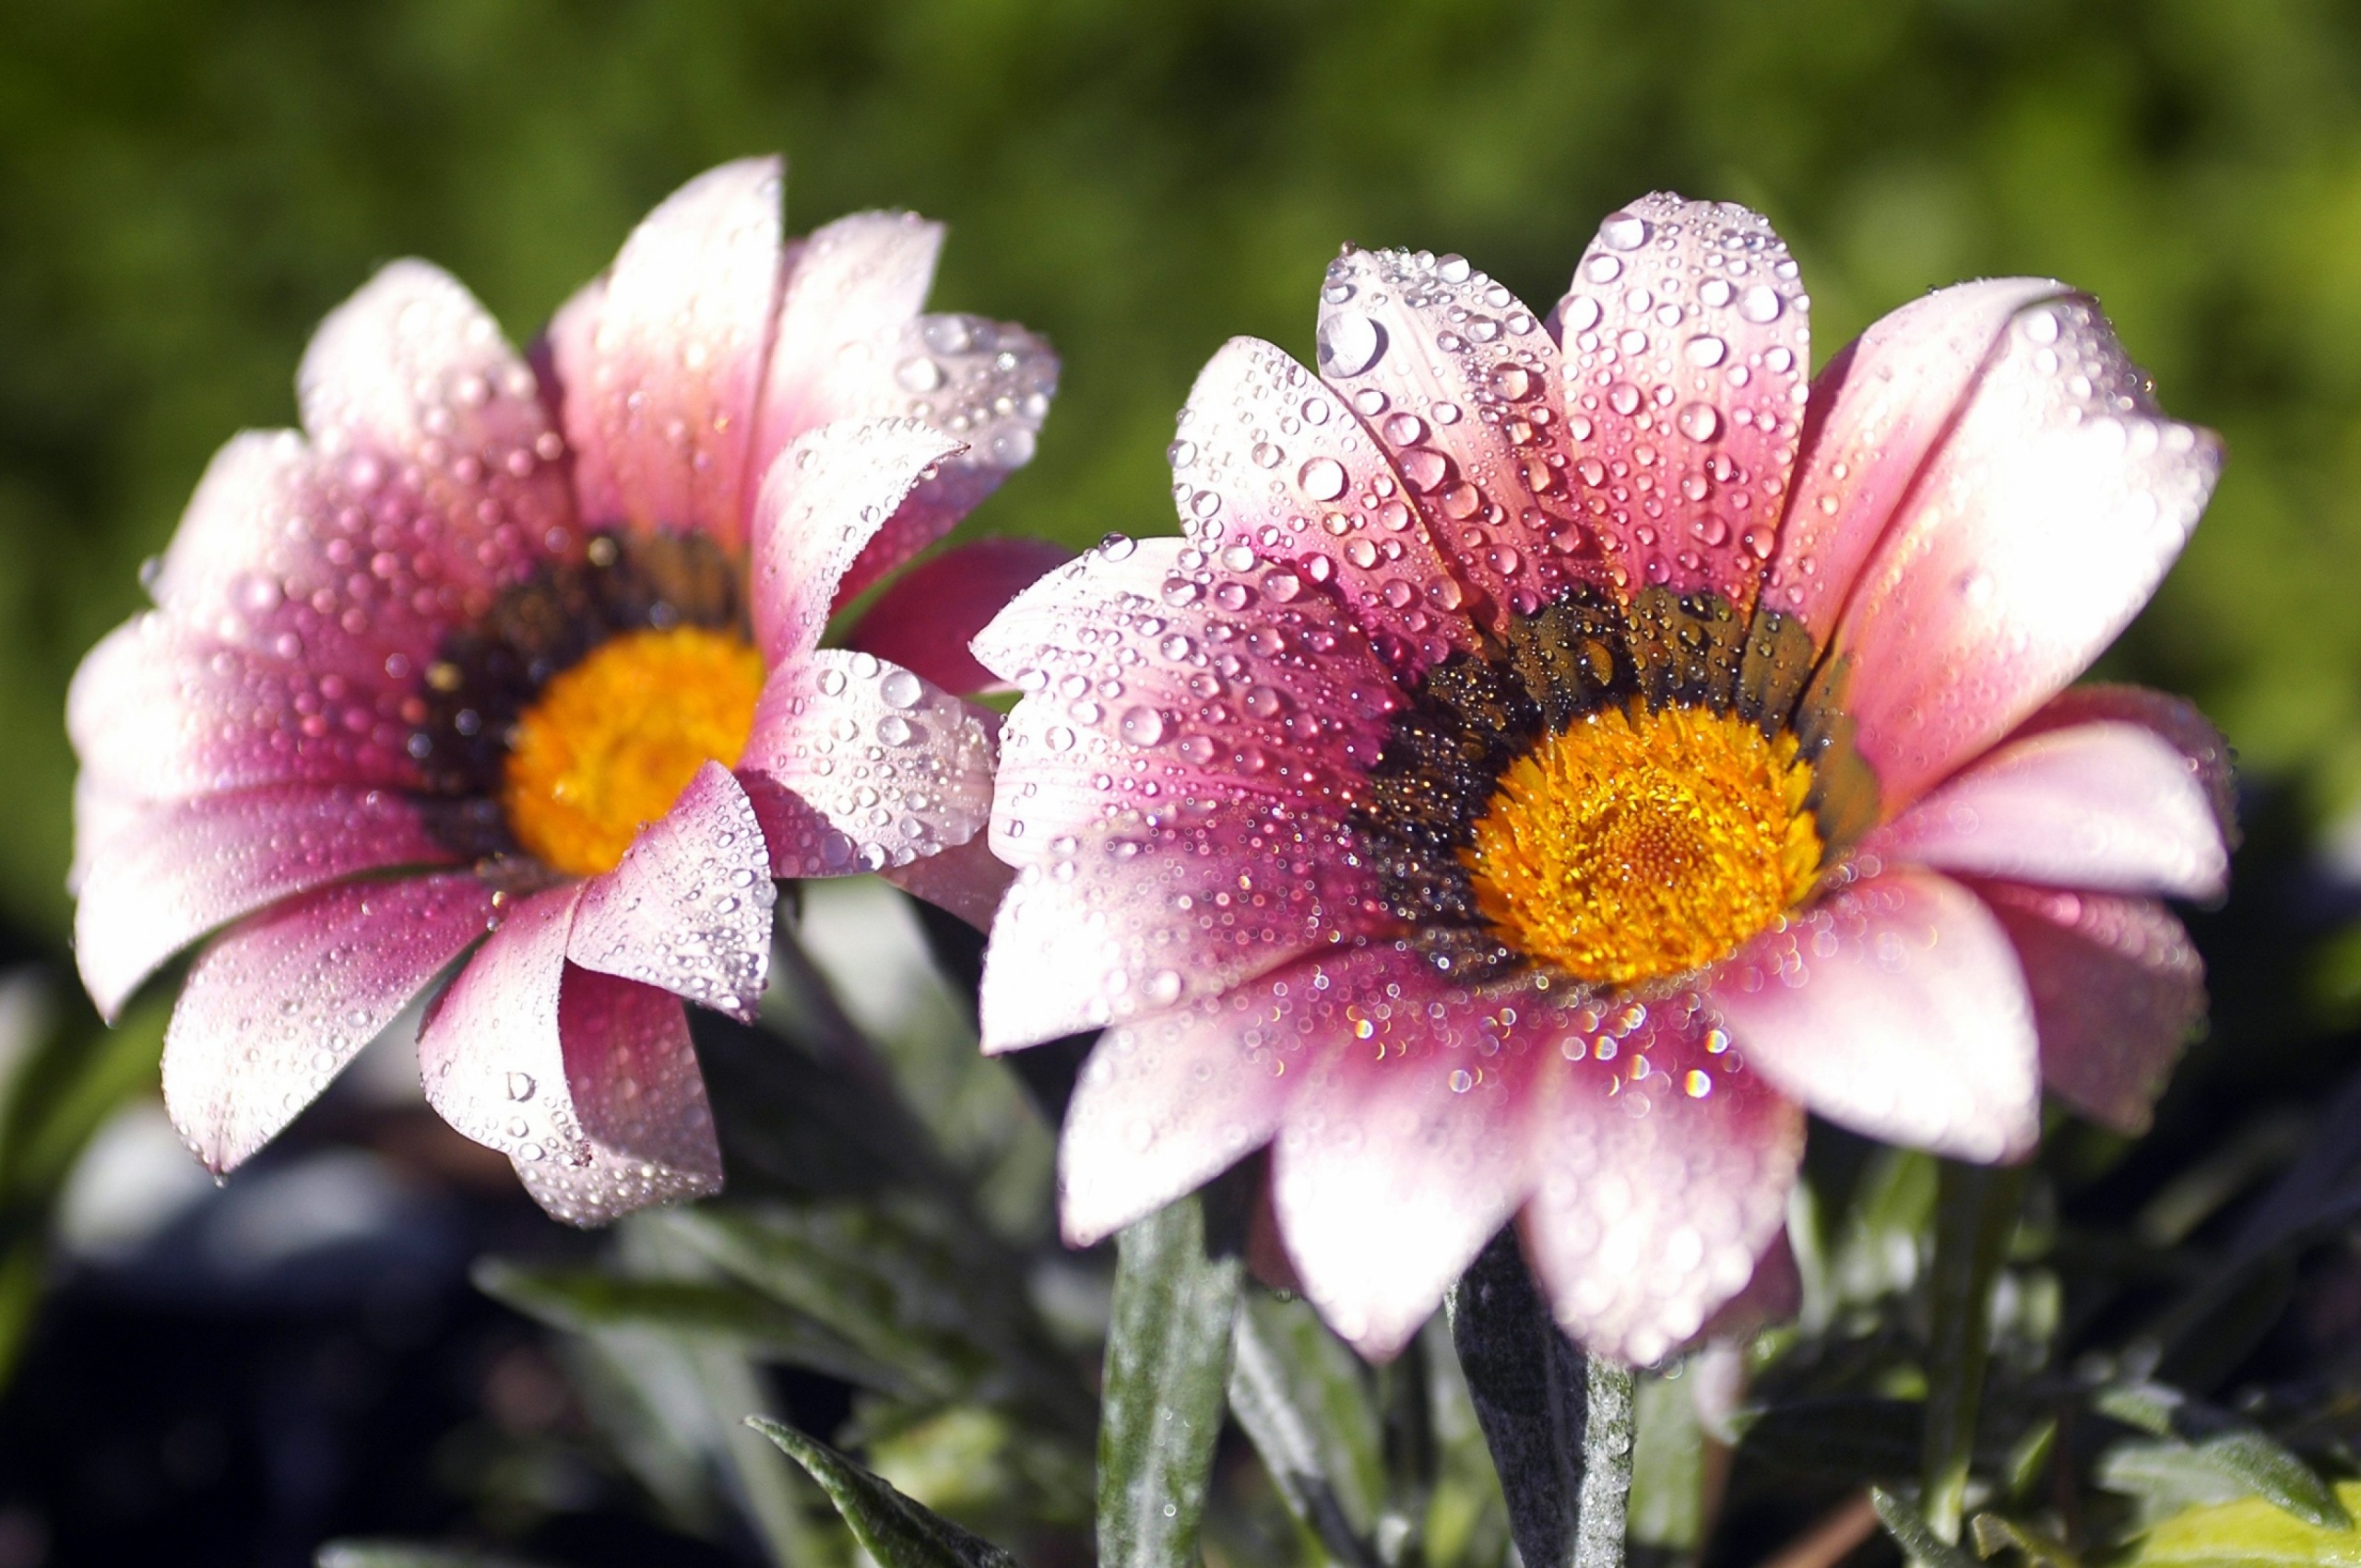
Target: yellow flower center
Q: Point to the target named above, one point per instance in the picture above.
(1637, 844)
(612, 742)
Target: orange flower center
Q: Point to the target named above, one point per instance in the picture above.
(1636, 844)
(609, 744)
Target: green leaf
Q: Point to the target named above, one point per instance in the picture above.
(1177, 1281)
(1914, 1535)
(894, 1530)
(2241, 1452)
(1668, 1466)
(1559, 1424)
(1976, 1212)
(1994, 1534)
(1301, 1395)
(585, 1301)
(2251, 1534)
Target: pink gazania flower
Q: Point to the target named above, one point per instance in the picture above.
(1562, 752)
(531, 646)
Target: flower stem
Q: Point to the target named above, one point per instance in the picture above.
(1610, 1423)
(1975, 1211)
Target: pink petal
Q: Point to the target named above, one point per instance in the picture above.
(1453, 375)
(1663, 1170)
(275, 1006)
(634, 1080)
(688, 907)
(1140, 914)
(1897, 1008)
(2103, 805)
(925, 620)
(967, 880)
(2117, 990)
(897, 767)
(660, 364)
(1877, 411)
(1232, 688)
(820, 501)
(412, 376)
(1407, 1146)
(1168, 1103)
(855, 282)
(2176, 719)
(336, 565)
(161, 712)
(2032, 536)
(489, 1051)
(1686, 347)
(1270, 463)
(187, 868)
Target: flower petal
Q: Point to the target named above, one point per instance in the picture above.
(854, 282)
(413, 377)
(489, 1051)
(1244, 686)
(161, 712)
(926, 618)
(2032, 536)
(1686, 346)
(275, 1006)
(2117, 990)
(967, 880)
(2103, 805)
(1877, 410)
(899, 767)
(1897, 1008)
(184, 869)
(2176, 719)
(1662, 1174)
(1143, 913)
(1269, 464)
(820, 501)
(1452, 376)
(660, 364)
(1407, 1146)
(1168, 1103)
(634, 1080)
(688, 909)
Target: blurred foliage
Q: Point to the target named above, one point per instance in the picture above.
(185, 189)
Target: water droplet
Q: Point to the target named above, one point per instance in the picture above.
(520, 1085)
(900, 689)
(918, 374)
(1623, 398)
(1142, 725)
(1267, 455)
(1405, 429)
(1706, 351)
(1350, 343)
(1603, 268)
(1761, 303)
(1322, 479)
(1699, 421)
(1580, 313)
(1623, 232)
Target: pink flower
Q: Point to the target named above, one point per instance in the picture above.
(532, 646)
(1561, 751)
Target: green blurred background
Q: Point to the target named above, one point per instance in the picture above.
(185, 187)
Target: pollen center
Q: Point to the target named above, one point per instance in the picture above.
(611, 742)
(1637, 844)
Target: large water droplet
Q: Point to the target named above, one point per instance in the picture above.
(1760, 305)
(1623, 232)
(1699, 421)
(900, 689)
(1322, 479)
(1142, 725)
(1350, 343)
(1706, 351)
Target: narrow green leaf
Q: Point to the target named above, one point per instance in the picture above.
(893, 1529)
(1299, 1395)
(583, 1301)
(1177, 1278)
(2238, 1450)
(1976, 1212)
(2251, 1534)
(1914, 1535)
(1994, 1534)
(1560, 1425)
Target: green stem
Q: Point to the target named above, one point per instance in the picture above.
(1975, 1213)
(1610, 1425)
